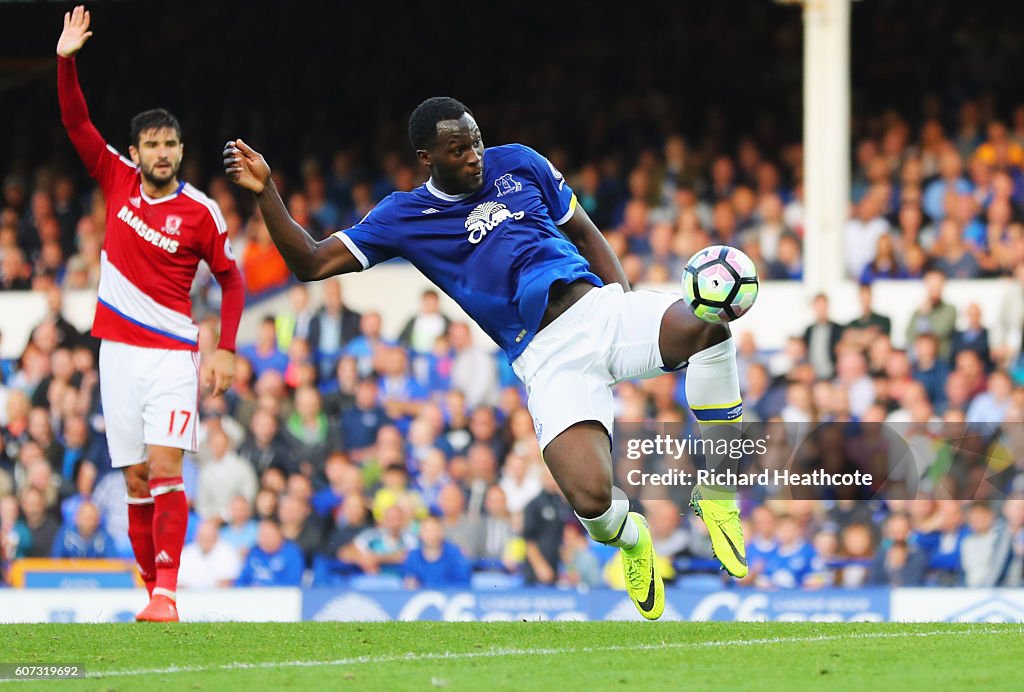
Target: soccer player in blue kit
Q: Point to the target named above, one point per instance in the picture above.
(500, 231)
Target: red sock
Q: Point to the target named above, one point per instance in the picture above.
(140, 533)
(170, 520)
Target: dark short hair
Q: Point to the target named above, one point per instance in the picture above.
(423, 121)
(152, 120)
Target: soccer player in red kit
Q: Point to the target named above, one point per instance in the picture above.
(157, 230)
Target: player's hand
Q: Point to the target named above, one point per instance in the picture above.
(219, 373)
(76, 32)
(245, 166)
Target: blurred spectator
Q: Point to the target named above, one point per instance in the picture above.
(473, 369)
(361, 422)
(862, 232)
(973, 338)
(295, 323)
(458, 527)
(84, 538)
(223, 475)
(273, 561)
(492, 535)
(42, 527)
(208, 562)
(857, 551)
(383, 548)
(363, 347)
(337, 472)
(299, 525)
(899, 563)
(989, 408)
(951, 180)
(789, 263)
(394, 491)
(931, 372)
(241, 529)
(263, 268)
(543, 522)
(66, 334)
(935, 316)
(942, 542)
(580, 566)
(953, 257)
(885, 264)
(795, 562)
(15, 537)
(332, 327)
(984, 550)
(1013, 513)
(521, 480)
(15, 272)
(264, 354)
(821, 338)
(264, 448)
(422, 330)
(352, 520)
(435, 563)
(310, 435)
(84, 477)
(870, 324)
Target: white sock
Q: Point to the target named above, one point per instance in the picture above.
(614, 526)
(713, 392)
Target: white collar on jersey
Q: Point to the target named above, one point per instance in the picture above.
(433, 189)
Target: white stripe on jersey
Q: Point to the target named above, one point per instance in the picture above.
(124, 160)
(218, 217)
(351, 245)
(128, 299)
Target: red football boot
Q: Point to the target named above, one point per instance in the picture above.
(160, 609)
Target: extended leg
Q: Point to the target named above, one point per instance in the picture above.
(581, 463)
(713, 393)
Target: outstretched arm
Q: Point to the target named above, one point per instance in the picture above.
(308, 259)
(73, 111)
(592, 245)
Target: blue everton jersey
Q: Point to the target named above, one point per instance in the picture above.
(496, 251)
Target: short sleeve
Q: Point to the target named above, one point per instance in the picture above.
(373, 240)
(556, 193)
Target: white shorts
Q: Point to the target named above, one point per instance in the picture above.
(150, 397)
(569, 368)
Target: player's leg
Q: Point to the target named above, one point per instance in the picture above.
(140, 521)
(713, 393)
(170, 418)
(569, 396)
(580, 461)
(122, 416)
(170, 516)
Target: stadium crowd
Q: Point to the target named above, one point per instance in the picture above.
(342, 456)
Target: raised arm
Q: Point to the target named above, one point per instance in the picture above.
(73, 111)
(308, 259)
(592, 245)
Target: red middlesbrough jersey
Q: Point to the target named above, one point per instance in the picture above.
(152, 246)
(150, 253)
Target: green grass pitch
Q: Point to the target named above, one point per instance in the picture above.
(521, 655)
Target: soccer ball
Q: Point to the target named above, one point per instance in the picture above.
(720, 284)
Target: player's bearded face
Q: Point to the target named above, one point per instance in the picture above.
(159, 154)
